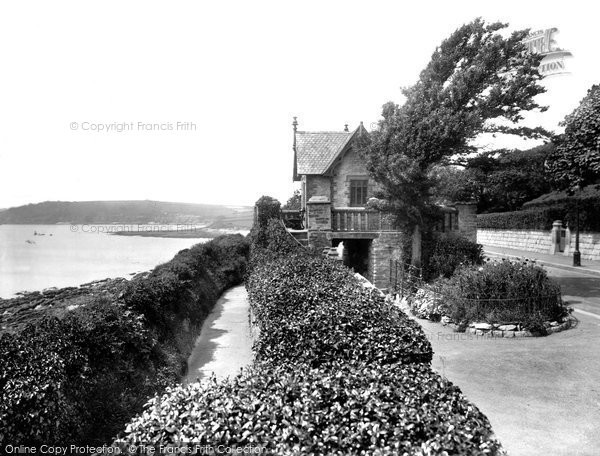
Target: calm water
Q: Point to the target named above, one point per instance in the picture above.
(63, 257)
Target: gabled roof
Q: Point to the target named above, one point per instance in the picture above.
(317, 150)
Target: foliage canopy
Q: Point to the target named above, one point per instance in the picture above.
(479, 80)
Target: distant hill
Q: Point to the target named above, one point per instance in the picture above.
(85, 212)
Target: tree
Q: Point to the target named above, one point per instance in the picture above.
(294, 202)
(477, 81)
(576, 161)
(499, 181)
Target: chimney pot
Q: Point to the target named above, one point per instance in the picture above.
(346, 127)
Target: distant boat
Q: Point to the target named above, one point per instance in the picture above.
(30, 241)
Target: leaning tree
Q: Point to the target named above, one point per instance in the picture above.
(479, 80)
(575, 162)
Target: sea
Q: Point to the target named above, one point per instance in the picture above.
(35, 257)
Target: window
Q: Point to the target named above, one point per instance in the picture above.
(358, 192)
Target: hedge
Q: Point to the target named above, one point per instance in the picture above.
(532, 219)
(79, 379)
(541, 217)
(312, 311)
(188, 286)
(340, 409)
(337, 371)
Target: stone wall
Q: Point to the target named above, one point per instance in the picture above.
(318, 186)
(319, 239)
(529, 240)
(467, 220)
(589, 245)
(541, 241)
(318, 216)
(352, 166)
(383, 248)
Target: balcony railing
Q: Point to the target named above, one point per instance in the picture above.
(360, 219)
(293, 219)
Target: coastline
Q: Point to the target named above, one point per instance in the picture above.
(30, 306)
(200, 233)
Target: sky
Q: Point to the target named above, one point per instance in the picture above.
(195, 99)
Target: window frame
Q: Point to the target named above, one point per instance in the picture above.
(364, 191)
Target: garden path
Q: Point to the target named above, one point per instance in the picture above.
(541, 394)
(225, 342)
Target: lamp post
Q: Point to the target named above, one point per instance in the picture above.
(577, 253)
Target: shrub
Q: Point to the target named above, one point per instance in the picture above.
(189, 284)
(343, 408)
(541, 216)
(67, 380)
(313, 311)
(530, 219)
(80, 378)
(427, 304)
(441, 254)
(445, 254)
(266, 209)
(502, 292)
(337, 371)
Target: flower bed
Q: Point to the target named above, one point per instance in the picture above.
(493, 296)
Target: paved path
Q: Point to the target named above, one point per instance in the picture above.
(541, 394)
(225, 343)
(588, 267)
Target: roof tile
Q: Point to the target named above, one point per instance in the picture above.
(315, 151)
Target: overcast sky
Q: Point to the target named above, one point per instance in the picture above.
(239, 71)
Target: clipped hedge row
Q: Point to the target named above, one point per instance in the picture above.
(79, 379)
(541, 218)
(337, 371)
(531, 219)
(312, 311)
(339, 409)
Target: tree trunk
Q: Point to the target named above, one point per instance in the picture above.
(416, 247)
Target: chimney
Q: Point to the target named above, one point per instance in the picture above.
(346, 127)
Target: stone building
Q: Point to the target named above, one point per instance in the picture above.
(335, 188)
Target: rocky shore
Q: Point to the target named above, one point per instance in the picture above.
(29, 307)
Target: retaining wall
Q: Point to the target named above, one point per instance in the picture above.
(540, 241)
(529, 240)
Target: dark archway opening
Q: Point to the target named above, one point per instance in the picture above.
(356, 254)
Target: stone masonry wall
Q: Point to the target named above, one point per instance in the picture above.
(352, 166)
(529, 240)
(589, 245)
(385, 247)
(319, 216)
(540, 241)
(318, 239)
(467, 221)
(318, 186)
